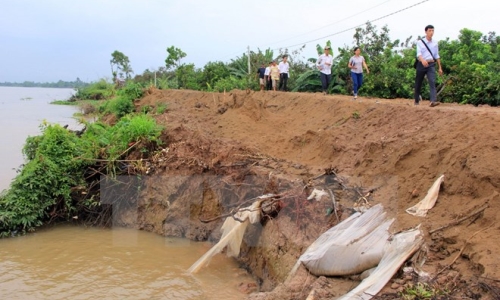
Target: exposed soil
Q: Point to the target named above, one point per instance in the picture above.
(222, 149)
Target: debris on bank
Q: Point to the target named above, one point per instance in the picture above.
(233, 230)
(421, 208)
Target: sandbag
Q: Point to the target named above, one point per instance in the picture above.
(351, 247)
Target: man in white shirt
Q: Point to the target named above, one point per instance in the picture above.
(324, 64)
(284, 68)
(267, 77)
(427, 65)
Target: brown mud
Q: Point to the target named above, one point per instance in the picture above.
(221, 150)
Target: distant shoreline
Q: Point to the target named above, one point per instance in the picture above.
(59, 84)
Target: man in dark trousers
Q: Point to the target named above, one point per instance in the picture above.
(267, 77)
(261, 73)
(284, 67)
(427, 56)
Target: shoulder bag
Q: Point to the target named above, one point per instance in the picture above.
(416, 59)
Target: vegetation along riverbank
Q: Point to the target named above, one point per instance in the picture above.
(177, 162)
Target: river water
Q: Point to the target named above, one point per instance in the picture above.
(22, 110)
(74, 262)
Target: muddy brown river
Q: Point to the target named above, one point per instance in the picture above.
(74, 262)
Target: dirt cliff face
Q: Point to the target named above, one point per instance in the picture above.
(222, 149)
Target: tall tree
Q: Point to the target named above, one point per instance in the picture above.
(120, 64)
(173, 60)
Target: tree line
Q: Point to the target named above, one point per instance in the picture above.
(59, 84)
(470, 64)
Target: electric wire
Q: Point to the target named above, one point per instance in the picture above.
(328, 25)
(354, 27)
(348, 29)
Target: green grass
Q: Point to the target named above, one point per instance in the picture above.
(64, 102)
(422, 291)
(161, 108)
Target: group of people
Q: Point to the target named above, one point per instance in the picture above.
(276, 76)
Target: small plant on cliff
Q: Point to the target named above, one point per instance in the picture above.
(111, 142)
(161, 108)
(422, 291)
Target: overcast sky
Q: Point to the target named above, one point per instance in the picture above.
(51, 40)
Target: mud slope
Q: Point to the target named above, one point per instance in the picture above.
(390, 146)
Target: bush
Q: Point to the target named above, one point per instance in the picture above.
(56, 163)
(45, 181)
(95, 91)
(121, 106)
(230, 83)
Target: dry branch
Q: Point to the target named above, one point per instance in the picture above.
(461, 219)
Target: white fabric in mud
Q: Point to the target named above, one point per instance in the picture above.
(421, 208)
(232, 234)
(351, 247)
(396, 252)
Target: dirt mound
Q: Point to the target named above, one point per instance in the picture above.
(389, 147)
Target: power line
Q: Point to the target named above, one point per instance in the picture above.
(357, 26)
(328, 25)
(345, 30)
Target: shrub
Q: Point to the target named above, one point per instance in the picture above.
(95, 91)
(57, 159)
(44, 182)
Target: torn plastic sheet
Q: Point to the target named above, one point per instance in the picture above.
(421, 208)
(396, 252)
(232, 233)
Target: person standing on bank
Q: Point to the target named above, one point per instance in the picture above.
(267, 77)
(284, 68)
(427, 56)
(356, 64)
(261, 73)
(324, 64)
(275, 75)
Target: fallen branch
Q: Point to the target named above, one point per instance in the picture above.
(461, 219)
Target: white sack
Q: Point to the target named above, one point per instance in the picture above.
(351, 247)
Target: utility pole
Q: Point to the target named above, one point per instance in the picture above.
(155, 79)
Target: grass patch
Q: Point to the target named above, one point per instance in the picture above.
(64, 102)
(161, 108)
(422, 291)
